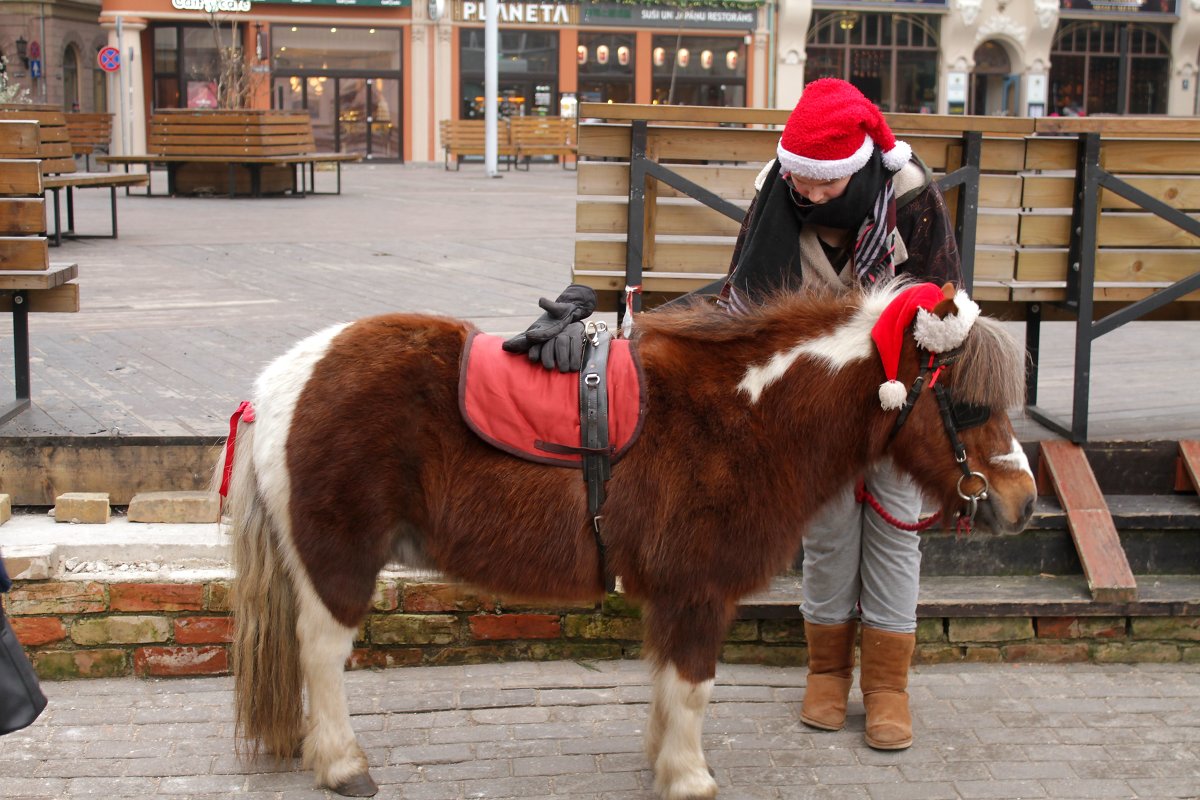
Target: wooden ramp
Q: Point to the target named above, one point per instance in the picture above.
(1189, 466)
(1105, 566)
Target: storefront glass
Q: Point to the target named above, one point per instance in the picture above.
(1100, 67)
(606, 63)
(187, 64)
(698, 70)
(528, 73)
(891, 58)
(349, 82)
(300, 47)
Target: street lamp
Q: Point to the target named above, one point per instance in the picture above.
(23, 50)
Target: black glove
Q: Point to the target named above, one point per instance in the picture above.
(575, 303)
(564, 352)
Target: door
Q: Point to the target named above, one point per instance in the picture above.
(350, 114)
(365, 122)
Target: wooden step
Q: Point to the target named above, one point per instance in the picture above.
(1012, 596)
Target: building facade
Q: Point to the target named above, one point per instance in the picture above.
(377, 75)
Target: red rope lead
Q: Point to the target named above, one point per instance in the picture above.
(245, 412)
(863, 496)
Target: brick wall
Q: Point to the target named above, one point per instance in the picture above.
(86, 629)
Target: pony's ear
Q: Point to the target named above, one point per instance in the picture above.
(947, 305)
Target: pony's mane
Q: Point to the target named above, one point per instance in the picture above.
(702, 319)
(991, 369)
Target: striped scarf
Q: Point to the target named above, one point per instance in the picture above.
(874, 251)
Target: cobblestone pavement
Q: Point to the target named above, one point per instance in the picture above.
(567, 729)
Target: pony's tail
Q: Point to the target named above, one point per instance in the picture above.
(268, 683)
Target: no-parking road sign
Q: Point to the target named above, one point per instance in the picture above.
(109, 59)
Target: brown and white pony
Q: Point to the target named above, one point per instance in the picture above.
(359, 457)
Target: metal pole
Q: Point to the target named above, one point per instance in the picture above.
(121, 85)
(491, 66)
(45, 59)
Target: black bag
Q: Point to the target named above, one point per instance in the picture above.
(21, 698)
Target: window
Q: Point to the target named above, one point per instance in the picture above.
(528, 73)
(71, 78)
(891, 58)
(606, 67)
(699, 70)
(1100, 67)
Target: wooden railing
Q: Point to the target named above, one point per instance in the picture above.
(1089, 218)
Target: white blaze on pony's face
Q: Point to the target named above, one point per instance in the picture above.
(1015, 459)
(849, 343)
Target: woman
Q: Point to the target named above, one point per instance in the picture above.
(845, 205)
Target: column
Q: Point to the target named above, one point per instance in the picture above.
(794, 19)
(127, 91)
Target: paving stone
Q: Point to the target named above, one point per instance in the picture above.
(173, 738)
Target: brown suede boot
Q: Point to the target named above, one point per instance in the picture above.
(884, 680)
(830, 667)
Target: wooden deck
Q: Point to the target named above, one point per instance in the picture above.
(181, 312)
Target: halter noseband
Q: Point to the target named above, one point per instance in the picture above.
(955, 417)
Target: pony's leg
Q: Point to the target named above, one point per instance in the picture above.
(673, 737)
(684, 643)
(330, 749)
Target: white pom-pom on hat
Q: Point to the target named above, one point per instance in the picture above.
(892, 394)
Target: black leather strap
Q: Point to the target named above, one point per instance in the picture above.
(597, 451)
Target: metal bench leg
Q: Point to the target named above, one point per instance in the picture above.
(57, 220)
(112, 195)
(70, 210)
(1033, 346)
(20, 312)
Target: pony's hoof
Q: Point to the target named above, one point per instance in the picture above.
(360, 785)
(699, 786)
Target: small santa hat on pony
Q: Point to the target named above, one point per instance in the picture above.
(940, 317)
(832, 131)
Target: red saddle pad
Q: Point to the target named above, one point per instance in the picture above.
(514, 404)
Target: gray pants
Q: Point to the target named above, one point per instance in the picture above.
(857, 565)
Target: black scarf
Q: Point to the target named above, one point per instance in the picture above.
(770, 256)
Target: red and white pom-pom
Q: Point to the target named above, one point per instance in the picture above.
(892, 395)
(943, 334)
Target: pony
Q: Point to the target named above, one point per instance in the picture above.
(358, 456)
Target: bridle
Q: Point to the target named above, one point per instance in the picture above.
(956, 417)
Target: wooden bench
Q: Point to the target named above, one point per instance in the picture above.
(543, 136)
(1088, 219)
(466, 137)
(60, 171)
(246, 152)
(28, 281)
(89, 132)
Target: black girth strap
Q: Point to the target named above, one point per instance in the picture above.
(593, 419)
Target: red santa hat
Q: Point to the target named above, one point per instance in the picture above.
(832, 131)
(941, 319)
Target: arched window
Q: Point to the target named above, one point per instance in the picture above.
(99, 85)
(1099, 67)
(71, 78)
(891, 58)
